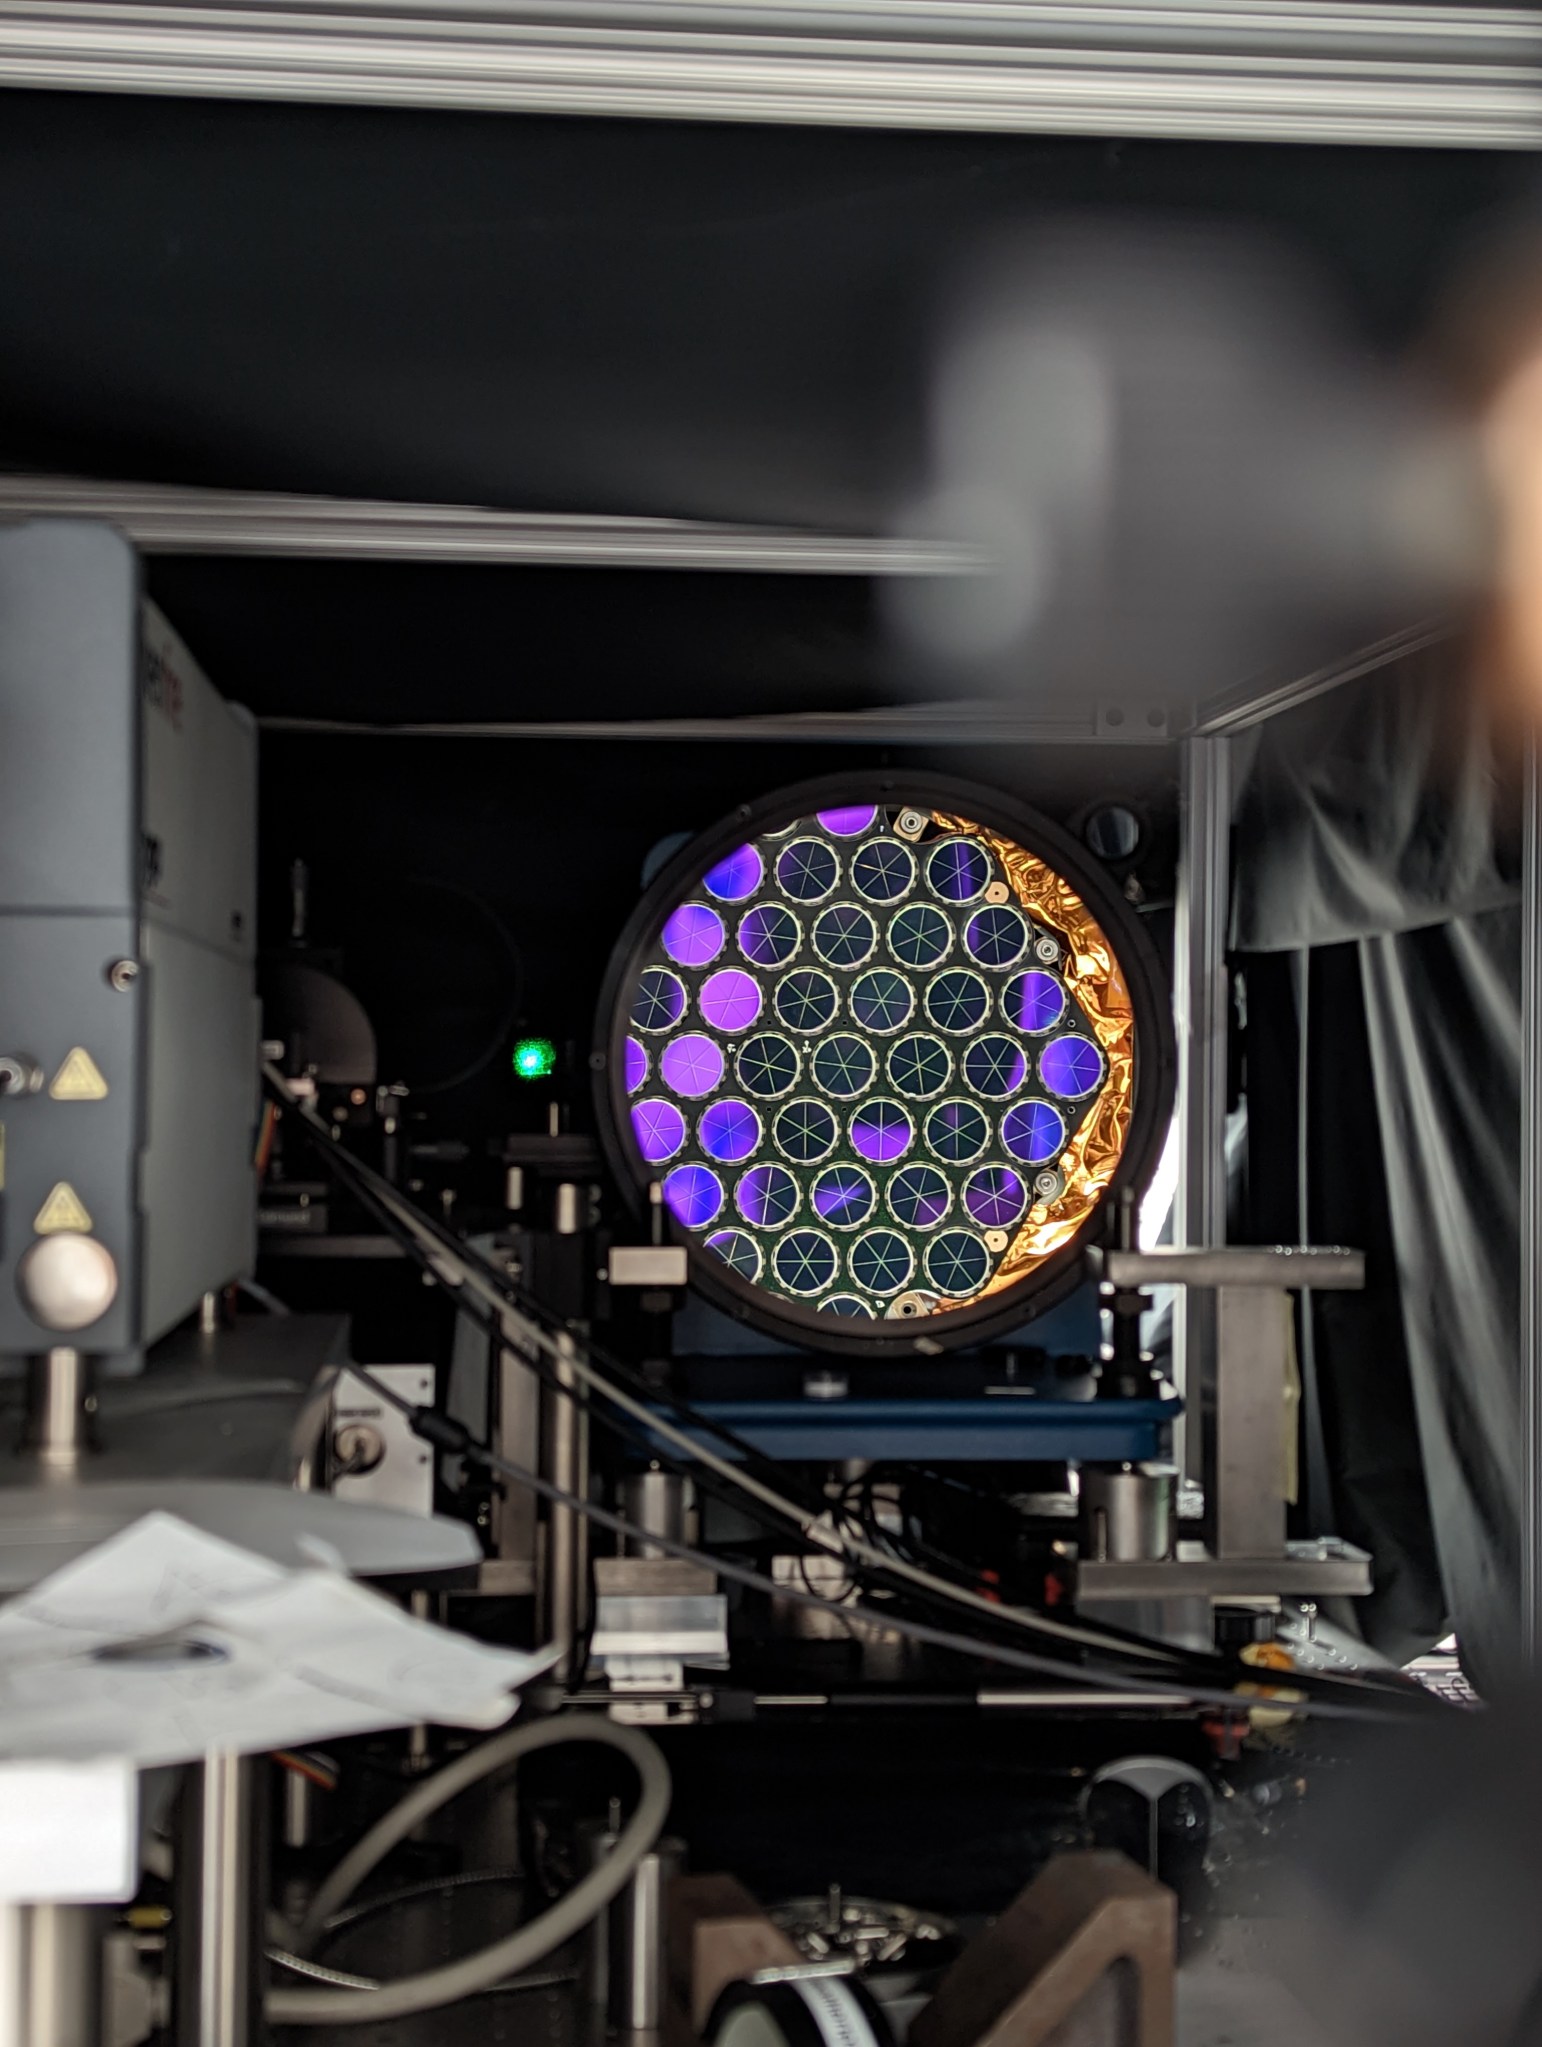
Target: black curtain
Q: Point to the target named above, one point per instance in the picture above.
(1377, 933)
(1324, 1181)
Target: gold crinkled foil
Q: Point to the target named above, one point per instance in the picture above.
(1093, 977)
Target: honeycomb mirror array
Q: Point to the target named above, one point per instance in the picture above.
(854, 1062)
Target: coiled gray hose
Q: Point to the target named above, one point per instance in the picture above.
(516, 1951)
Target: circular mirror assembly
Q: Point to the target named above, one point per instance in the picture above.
(887, 1045)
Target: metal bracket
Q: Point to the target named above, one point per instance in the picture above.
(647, 1265)
(1245, 1433)
(1324, 1569)
(652, 1616)
(1321, 1268)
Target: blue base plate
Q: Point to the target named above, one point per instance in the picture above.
(1004, 1428)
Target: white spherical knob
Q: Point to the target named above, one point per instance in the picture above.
(67, 1281)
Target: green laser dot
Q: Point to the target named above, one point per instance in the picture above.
(535, 1058)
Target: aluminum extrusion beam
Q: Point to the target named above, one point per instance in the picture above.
(1310, 71)
(1325, 1569)
(1324, 1267)
(1235, 710)
(171, 519)
(890, 725)
(1201, 1008)
(1531, 1214)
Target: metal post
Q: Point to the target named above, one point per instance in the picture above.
(62, 1948)
(298, 1809)
(420, 1605)
(218, 1990)
(59, 1407)
(654, 1500)
(1531, 1216)
(13, 1974)
(1246, 1462)
(596, 1842)
(516, 1435)
(567, 1444)
(567, 1466)
(638, 1975)
(1201, 1001)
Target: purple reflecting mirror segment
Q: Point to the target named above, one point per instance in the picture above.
(694, 1194)
(1071, 1067)
(691, 1065)
(735, 879)
(659, 1129)
(850, 822)
(693, 935)
(730, 1000)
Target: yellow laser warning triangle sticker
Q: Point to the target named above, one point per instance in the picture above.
(79, 1079)
(63, 1210)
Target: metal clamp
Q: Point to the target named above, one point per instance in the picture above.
(1245, 1429)
(1322, 1268)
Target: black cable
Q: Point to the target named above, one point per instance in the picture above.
(1016, 1622)
(1184, 1662)
(589, 1403)
(1323, 1690)
(408, 1894)
(1113, 1641)
(447, 1435)
(553, 1325)
(1135, 1648)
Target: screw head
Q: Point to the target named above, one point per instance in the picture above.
(1048, 1184)
(1047, 949)
(122, 975)
(909, 1305)
(910, 823)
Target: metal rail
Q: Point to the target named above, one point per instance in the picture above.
(954, 724)
(1323, 1267)
(175, 519)
(1201, 996)
(1531, 1215)
(1310, 71)
(190, 520)
(1250, 703)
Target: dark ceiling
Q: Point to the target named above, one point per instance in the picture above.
(549, 313)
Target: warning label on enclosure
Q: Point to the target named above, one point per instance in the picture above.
(79, 1079)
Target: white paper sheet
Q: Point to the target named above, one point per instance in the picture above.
(166, 1642)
